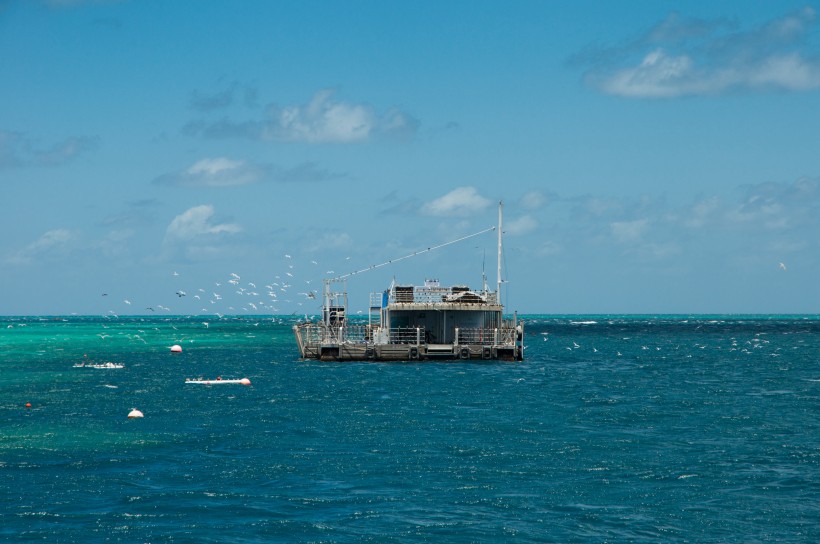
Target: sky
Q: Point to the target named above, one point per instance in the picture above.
(216, 158)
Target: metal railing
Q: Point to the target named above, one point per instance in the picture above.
(486, 336)
(407, 335)
(322, 334)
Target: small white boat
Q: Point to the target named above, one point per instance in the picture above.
(218, 381)
(99, 365)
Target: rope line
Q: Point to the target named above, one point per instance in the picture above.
(373, 267)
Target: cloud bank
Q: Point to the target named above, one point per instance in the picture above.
(757, 221)
(690, 57)
(225, 172)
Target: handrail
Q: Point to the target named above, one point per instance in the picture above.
(320, 333)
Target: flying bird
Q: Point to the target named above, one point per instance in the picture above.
(782, 267)
(181, 293)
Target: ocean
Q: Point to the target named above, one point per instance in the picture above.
(613, 429)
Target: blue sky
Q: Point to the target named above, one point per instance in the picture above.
(653, 157)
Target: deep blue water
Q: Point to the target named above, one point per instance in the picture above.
(613, 429)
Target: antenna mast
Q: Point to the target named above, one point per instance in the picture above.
(500, 210)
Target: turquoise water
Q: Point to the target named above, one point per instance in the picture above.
(613, 429)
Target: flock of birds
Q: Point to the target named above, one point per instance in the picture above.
(285, 293)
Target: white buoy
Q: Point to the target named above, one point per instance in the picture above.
(176, 348)
(134, 413)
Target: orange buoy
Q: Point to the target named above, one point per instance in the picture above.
(28, 405)
(176, 348)
(245, 381)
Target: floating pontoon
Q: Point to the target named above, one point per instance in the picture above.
(415, 322)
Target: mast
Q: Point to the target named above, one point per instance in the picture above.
(498, 289)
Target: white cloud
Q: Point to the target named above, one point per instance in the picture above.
(221, 172)
(661, 75)
(702, 212)
(196, 222)
(764, 211)
(397, 123)
(629, 231)
(323, 119)
(459, 202)
(53, 241)
(658, 75)
(521, 225)
(224, 172)
(214, 167)
(682, 57)
(215, 172)
(533, 200)
(779, 206)
(789, 71)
